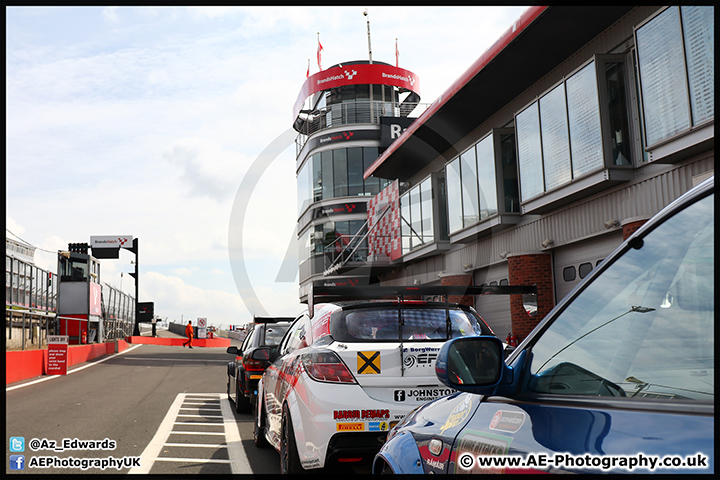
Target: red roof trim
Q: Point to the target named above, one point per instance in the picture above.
(527, 17)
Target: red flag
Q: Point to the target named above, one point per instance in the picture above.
(397, 54)
(307, 75)
(319, 54)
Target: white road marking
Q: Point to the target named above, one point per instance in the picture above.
(238, 461)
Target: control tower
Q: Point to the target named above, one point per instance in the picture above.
(345, 117)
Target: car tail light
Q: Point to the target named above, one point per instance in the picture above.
(327, 367)
(254, 365)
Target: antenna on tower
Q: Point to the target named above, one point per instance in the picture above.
(368, 26)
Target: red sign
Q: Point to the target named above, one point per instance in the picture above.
(357, 74)
(57, 359)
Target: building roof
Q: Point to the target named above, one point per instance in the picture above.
(537, 42)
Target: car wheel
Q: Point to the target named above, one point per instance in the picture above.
(289, 459)
(242, 404)
(259, 431)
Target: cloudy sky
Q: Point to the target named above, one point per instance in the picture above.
(145, 121)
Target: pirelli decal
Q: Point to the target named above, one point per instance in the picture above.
(368, 363)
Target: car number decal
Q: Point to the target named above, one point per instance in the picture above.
(368, 363)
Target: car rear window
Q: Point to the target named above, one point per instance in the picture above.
(371, 324)
(275, 333)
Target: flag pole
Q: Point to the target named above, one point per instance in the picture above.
(368, 28)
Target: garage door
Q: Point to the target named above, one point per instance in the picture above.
(573, 263)
(494, 309)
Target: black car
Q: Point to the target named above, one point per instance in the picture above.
(244, 371)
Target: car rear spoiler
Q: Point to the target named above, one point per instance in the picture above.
(272, 319)
(319, 294)
(323, 293)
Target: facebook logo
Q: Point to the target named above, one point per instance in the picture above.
(17, 462)
(399, 395)
(17, 444)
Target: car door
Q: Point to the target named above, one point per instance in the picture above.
(278, 377)
(621, 375)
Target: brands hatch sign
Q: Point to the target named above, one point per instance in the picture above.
(356, 74)
(108, 246)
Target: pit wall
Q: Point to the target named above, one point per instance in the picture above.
(24, 364)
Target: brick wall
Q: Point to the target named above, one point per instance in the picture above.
(464, 280)
(530, 269)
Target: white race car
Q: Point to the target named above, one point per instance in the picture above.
(350, 370)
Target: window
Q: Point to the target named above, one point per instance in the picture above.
(584, 269)
(676, 63)
(644, 328)
(416, 216)
(577, 128)
(454, 195)
(569, 274)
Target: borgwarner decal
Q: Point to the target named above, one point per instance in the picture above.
(420, 357)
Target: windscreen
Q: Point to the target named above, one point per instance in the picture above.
(275, 333)
(382, 323)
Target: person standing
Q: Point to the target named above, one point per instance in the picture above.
(189, 333)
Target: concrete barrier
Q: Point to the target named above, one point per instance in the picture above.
(23, 364)
(178, 342)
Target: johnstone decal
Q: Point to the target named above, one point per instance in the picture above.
(421, 394)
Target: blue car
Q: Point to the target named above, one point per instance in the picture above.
(617, 378)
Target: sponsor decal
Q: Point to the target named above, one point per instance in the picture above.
(360, 414)
(422, 360)
(507, 421)
(350, 427)
(378, 426)
(368, 363)
(458, 415)
(473, 444)
(421, 394)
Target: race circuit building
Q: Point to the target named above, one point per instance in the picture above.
(574, 128)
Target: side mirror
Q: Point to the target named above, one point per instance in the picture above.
(233, 350)
(262, 354)
(476, 365)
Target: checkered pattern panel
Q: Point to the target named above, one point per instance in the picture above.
(385, 238)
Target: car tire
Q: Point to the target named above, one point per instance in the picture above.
(289, 458)
(259, 431)
(242, 404)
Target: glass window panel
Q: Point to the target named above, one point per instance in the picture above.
(303, 187)
(509, 173)
(340, 174)
(584, 269)
(454, 195)
(426, 208)
(468, 175)
(620, 335)
(486, 177)
(584, 121)
(328, 189)
(527, 124)
(372, 184)
(617, 111)
(699, 33)
(555, 140)
(317, 177)
(405, 222)
(355, 171)
(416, 217)
(662, 77)
(569, 274)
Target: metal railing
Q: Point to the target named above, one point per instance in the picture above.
(353, 113)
